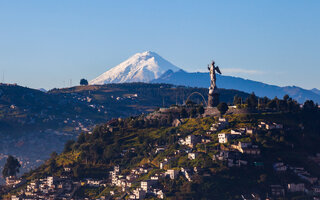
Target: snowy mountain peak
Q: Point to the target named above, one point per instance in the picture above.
(141, 67)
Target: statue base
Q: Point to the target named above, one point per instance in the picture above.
(213, 100)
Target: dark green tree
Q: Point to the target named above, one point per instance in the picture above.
(53, 155)
(52, 166)
(200, 110)
(223, 108)
(68, 146)
(11, 168)
(252, 101)
(170, 119)
(309, 106)
(190, 103)
(76, 171)
(84, 82)
(272, 104)
(263, 102)
(183, 113)
(193, 112)
(82, 138)
(286, 98)
(237, 100)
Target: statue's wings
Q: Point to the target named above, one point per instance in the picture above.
(218, 70)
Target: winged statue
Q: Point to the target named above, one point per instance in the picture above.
(213, 77)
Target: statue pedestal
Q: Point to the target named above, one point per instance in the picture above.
(213, 99)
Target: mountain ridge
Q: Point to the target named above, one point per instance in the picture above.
(201, 79)
(149, 67)
(315, 90)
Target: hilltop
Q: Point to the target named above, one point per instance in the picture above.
(24, 109)
(257, 154)
(34, 123)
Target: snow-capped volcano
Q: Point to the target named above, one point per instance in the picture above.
(141, 67)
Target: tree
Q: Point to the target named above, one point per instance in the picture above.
(81, 138)
(200, 110)
(183, 113)
(190, 103)
(252, 101)
(286, 98)
(11, 168)
(170, 119)
(223, 108)
(76, 171)
(84, 82)
(193, 112)
(68, 146)
(53, 155)
(283, 105)
(263, 178)
(237, 100)
(263, 102)
(52, 166)
(272, 104)
(309, 106)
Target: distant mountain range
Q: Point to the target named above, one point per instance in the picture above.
(200, 79)
(315, 90)
(149, 67)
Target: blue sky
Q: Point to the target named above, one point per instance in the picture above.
(47, 43)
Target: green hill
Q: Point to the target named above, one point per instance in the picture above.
(133, 143)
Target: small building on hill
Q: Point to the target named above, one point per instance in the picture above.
(192, 156)
(176, 123)
(224, 137)
(191, 140)
(172, 173)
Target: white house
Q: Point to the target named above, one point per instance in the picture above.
(191, 140)
(224, 137)
(146, 185)
(172, 173)
(237, 132)
(192, 156)
(223, 120)
(14, 197)
(138, 194)
(176, 123)
(158, 193)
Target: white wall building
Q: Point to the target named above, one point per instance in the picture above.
(223, 137)
(172, 173)
(192, 156)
